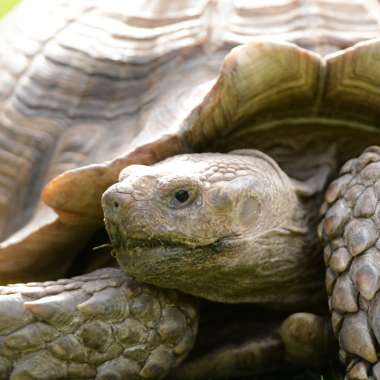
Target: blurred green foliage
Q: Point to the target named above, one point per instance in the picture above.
(333, 373)
(6, 6)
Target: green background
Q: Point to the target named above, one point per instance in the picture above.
(6, 5)
(332, 374)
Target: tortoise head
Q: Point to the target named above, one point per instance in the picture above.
(222, 226)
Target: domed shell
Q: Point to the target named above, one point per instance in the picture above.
(87, 88)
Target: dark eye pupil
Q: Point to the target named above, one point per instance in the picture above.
(181, 196)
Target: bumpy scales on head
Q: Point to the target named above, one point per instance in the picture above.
(227, 227)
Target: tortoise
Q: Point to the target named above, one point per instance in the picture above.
(224, 172)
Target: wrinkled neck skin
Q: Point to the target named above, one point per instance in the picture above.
(246, 233)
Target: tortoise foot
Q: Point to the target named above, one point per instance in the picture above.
(101, 325)
(308, 339)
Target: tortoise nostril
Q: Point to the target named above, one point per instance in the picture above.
(112, 200)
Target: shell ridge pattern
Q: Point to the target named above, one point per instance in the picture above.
(38, 132)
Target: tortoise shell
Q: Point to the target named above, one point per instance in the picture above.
(87, 88)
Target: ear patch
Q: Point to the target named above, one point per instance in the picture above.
(248, 211)
(222, 200)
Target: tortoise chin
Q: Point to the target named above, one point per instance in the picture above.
(229, 270)
(192, 269)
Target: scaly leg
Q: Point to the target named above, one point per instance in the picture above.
(104, 325)
(101, 325)
(351, 232)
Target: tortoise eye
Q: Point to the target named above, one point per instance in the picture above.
(182, 196)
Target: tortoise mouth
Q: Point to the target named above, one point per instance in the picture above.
(121, 240)
(132, 243)
(140, 243)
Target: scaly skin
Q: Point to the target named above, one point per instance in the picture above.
(101, 325)
(351, 232)
(242, 219)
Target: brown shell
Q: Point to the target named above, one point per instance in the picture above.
(87, 88)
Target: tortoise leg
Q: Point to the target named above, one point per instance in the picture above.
(102, 325)
(351, 231)
(303, 339)
(260, 351)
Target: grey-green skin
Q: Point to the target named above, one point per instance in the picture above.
(238, 238)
